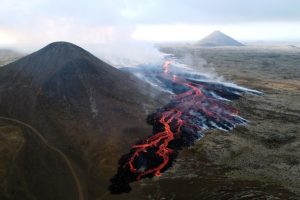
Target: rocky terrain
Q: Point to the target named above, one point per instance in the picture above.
(268, 149)
(256, 161)
(78, 115)
(265, 153)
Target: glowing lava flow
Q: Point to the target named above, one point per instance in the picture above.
(166, 66)
(160, 141)
(196, 107)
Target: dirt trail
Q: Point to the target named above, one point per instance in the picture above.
(65, 158)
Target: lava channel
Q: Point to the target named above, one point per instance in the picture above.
(196, 107)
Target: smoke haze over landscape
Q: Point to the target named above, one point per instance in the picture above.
(149, 99)
(107, 27)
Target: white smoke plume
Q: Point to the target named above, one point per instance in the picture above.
(111, 44)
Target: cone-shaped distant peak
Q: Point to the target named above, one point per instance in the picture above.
(217, 38)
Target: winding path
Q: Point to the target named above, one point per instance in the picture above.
(64, 157)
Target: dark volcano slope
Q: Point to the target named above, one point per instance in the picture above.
(29, 168)
(79, 104)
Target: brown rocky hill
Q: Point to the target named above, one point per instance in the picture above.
(73, 105)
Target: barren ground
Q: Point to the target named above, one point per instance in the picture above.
(267, 151)
(258, 161)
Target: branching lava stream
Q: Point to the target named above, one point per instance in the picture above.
(198, 105)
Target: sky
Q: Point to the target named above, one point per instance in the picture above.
(38, 22)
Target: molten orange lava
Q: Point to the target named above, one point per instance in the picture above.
(162, 139)
(166, 66)
(196, 106)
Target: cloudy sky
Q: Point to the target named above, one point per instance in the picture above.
(104, 21)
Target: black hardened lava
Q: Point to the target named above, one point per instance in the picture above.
(199, 104)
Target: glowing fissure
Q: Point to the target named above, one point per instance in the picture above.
(197, 106)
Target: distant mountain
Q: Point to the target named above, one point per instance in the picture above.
(81, 106)
(217, 38)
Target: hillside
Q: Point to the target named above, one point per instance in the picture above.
(87, 109)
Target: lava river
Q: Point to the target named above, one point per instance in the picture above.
(198, 104)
